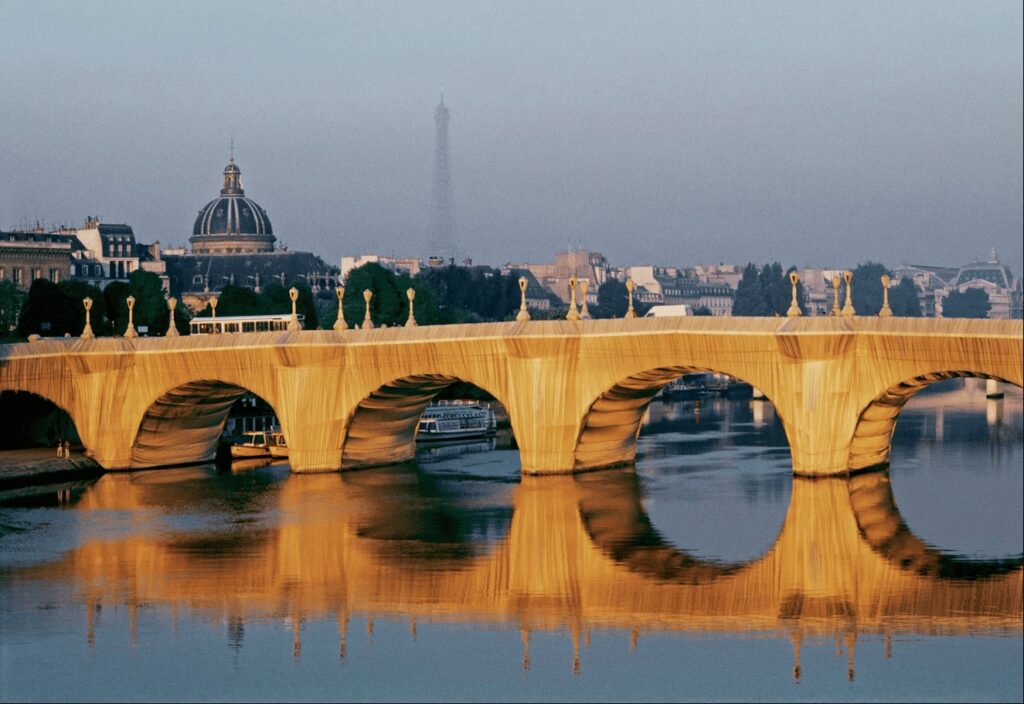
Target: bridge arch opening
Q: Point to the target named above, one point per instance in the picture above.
(432, 412)
(34, 421)
(188, 423)
(872, 437)
(612, 514)
(610, 429)
(884, 529)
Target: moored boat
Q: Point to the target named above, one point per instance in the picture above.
(254, 444)
(278, 445)
(455, 420)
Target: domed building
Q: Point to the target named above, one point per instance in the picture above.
(232, 223)
(995, 278)
(233, 243)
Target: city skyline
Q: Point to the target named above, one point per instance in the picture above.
(810, 135)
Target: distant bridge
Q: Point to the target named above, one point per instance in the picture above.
(575, 391)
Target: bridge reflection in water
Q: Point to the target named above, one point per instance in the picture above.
(568, 553)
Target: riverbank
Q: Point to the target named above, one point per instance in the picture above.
(36, 466)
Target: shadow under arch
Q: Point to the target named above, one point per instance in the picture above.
(611, 426)
(872, 436)
(184, 424)
(33, 419)
(883, 528)
(614, 518)
(382, 428)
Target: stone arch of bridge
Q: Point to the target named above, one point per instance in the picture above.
(876, 423)
(46, 396)
(183, 424)
(381, 429)
(611, 425)
(883, 528)
(614, 518)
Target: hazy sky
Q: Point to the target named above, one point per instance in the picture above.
(816, 133)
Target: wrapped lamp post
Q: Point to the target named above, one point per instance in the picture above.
(172, 329)
(367, 320)
(293, 324)
(794, 307)
(411, 321)
(87, 330)
(848, 310)
(340, 323)
(573, 313)
(886, 311)
(630, 312)
(523, 313)
(130, 330)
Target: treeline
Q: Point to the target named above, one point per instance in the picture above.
(53, 310)
(766, 291)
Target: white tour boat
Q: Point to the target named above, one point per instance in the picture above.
(455, 420)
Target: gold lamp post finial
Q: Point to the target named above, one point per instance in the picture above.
(848, 310)
(213, 306)
(630, 312)
(886, 311)
(172, 329)
(523, 313)
(835, 296)
(87, 330)
(584, 310)
(794, 307)
(367, 320)
(340, 323)
(293, 324)
(130, 330)
(410, 293)
(573, 314)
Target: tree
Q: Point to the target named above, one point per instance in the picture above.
(702, 310)
(150, 310)
(866, 284)
(903, 299)
(11, 301)
(52, 309)
(388, 306)
(972, 303)
(766, 291)
(750, 300)
(613, 299)
(115, 297)
(238, 300)
(473, 294)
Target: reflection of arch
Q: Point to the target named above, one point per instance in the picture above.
(615, 520)
(382, 429)
(872, 437)
(184, 424)
(611, 426)
(412, 519)
(883, 528)
(12, 420)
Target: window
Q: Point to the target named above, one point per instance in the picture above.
(37, 273)
(55, 275)
(17, 276)
(3, 273)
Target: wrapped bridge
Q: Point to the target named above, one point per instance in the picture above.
(575, 391)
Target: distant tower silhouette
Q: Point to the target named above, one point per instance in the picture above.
(442, 231)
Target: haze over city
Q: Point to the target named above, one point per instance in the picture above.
(813, 133)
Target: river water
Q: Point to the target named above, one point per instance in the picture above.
(705, 573)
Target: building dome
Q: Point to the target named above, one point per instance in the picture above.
(232, 223)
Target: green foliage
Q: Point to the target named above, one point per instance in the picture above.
(239, 300)
(273, 300)
(612, 299)
(702, 310)
(867, 295)
(11, 301)
(903, 299)
(476, 294)
(766, 291)
(972, 303)
(59, 308)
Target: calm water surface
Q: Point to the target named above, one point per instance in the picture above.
(706, 573)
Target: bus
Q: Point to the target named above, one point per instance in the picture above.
(241, 323)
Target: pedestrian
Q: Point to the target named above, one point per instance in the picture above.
(67, 449)
(60, 447)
